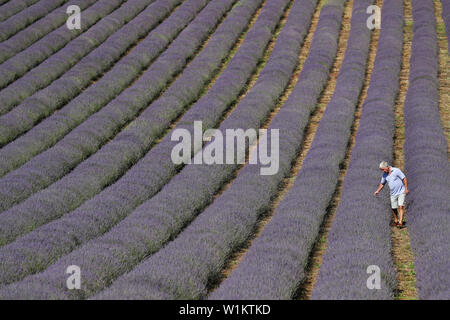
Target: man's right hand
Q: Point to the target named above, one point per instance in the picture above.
(379, 189)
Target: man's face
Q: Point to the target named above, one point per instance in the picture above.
(386, 170)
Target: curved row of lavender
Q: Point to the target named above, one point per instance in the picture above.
(446, 18)
(101, 212)
(426, 160)
(55, 20)
(121, 257)
(127, 70)
(282, 251)
(139, 183)
(67, 73)
(63, 76)
(360, 235)
(111, 24)
(88, 137)
(26, 72)
(11, 8)
(19, 21)
(119, 154)
(184, 267)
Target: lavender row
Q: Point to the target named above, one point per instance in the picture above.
(13, 7)
(270, 13)
(111, 161)
(88, 137)
(282, 251)
(19, 21)
(360, 235)
(31, 58)
(36, 57)
(73, 76)
(63, 75)
(446, 18)
(426, 161)
(42, 27)
(80, 223)
(95, 97)
(197, 256)
(225, 224)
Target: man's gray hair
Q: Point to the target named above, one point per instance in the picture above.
(383, 164)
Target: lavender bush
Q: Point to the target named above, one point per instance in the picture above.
(426, 160)
(96, 96)
(116, 266)
(13, 7)
(71, 75)
(204, 246)
(141, 178)
(282, 251)
(36, 55)
(40, 28)
(26, 17)
(228, 222)
(110, 162)
(89, 136)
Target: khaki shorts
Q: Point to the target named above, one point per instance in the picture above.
(398, 200)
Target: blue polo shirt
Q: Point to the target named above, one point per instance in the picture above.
(394, 180)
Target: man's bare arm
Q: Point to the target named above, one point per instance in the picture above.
(405, 182)
(379, 189)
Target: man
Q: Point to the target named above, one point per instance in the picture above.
(398, 186)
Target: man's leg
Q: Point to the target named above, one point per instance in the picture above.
(401, 208)
(400, 215)
(395, 214)
(394, 206)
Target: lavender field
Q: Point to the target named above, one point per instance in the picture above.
(95, 95)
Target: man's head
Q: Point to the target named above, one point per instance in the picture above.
(384, 166)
